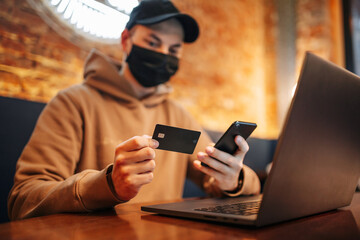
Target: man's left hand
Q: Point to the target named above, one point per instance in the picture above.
(224, 168)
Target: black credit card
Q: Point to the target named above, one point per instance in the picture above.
(176, 139)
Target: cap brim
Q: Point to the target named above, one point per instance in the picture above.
(190, 26)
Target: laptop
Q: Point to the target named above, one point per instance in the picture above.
(316, 165)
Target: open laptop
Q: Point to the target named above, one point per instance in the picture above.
(316, 164)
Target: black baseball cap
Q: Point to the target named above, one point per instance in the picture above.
(154, 11)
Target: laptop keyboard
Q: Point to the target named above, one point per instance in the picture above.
(245, 208)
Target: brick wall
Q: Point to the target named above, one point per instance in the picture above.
(228, 74)
(319, 29)
(35, 61)
(225, 77)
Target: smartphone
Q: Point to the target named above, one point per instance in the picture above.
(227, 141)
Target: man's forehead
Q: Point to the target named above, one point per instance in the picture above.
(171, 27)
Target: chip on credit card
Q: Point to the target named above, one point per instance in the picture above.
(176, 139)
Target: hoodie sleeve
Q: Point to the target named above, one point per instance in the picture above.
(45, 180)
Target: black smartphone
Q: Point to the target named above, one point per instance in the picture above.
(227, 141)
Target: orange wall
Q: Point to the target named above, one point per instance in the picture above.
(319, 29)
(228, 74)
(224, 75)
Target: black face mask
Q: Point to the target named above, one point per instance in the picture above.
(151, 68)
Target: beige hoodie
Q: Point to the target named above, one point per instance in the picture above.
(63, 167)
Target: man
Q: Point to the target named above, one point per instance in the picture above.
(74, 162)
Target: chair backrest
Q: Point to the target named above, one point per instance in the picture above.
(17, 121)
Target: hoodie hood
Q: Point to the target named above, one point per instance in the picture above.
(102, 73)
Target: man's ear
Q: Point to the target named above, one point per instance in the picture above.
(125, 43)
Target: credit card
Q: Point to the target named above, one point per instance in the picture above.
(176, 139)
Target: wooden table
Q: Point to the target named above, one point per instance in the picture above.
(129, 222)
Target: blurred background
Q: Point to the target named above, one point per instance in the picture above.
(244, 66)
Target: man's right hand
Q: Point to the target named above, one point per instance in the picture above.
(134, 165)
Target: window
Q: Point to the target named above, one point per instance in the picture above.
(99, 21)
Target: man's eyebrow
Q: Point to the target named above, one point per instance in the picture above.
(152, 35)
(155, 37)
(177, 45)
